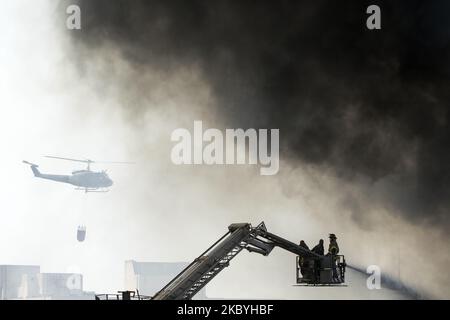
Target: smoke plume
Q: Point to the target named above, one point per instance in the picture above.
(362, 114)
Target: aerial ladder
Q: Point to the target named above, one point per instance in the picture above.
(315, 269)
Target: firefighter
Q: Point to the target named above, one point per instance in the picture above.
(302, 262)
(333, 247)
(303, 245)
(333, 250)
(319, 249)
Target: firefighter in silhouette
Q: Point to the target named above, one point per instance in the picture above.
(319, 249)
(303, 263)
(333, 250)
(333, 247)
(303, 245)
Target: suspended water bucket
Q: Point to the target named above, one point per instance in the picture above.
(81, 233)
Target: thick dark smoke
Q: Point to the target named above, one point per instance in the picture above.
(371, 104)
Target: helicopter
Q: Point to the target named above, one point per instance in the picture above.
(86, 180)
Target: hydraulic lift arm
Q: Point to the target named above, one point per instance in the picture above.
(204, 268)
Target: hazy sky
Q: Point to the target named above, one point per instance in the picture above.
(154, 206)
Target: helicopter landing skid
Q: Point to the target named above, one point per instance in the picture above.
(87, 190)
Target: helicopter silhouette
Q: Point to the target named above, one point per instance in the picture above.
(86, 180)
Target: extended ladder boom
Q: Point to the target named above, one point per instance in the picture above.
(203, 269)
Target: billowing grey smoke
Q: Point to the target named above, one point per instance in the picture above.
(363, 103)
(363, 115)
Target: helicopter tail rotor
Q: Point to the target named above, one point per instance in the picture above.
(30, 164)
(34, 168)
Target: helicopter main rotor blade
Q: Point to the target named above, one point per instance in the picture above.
(70, 159)
(90, 161)
(115, 162)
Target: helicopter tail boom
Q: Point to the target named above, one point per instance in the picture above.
(54, 177)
